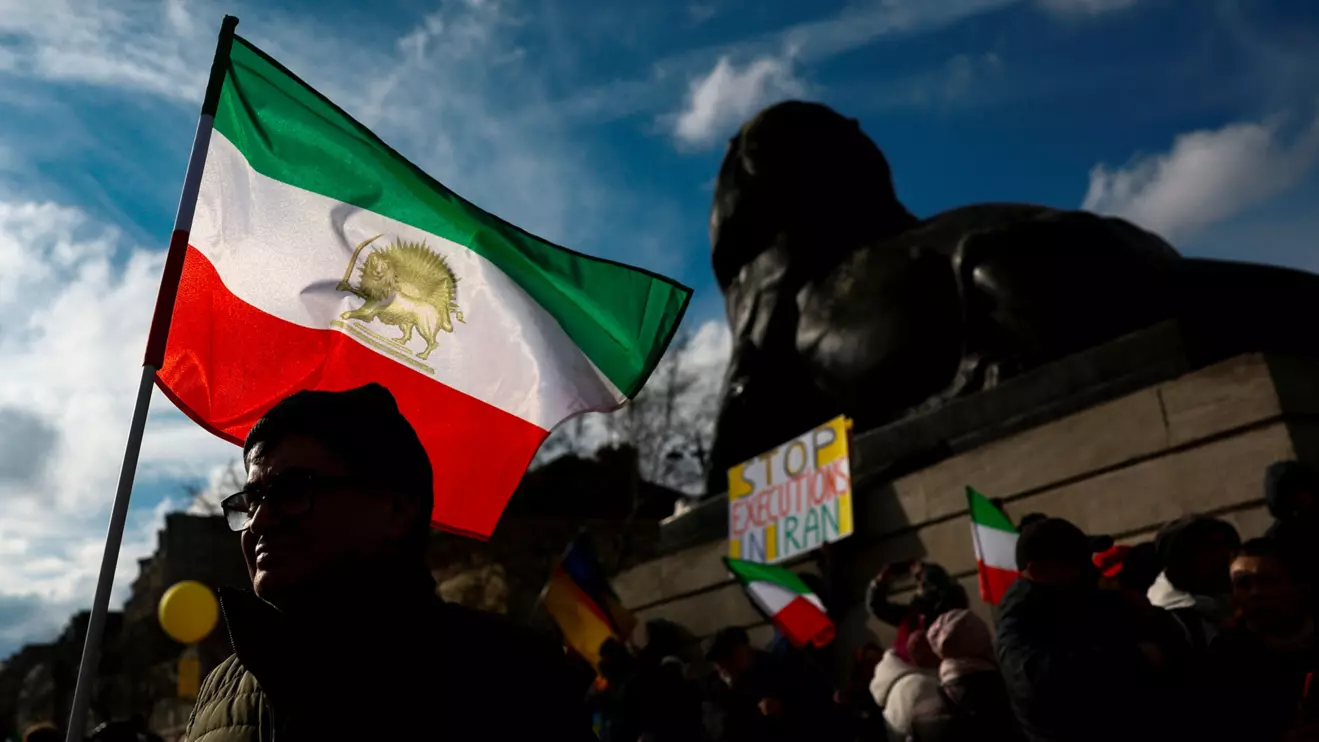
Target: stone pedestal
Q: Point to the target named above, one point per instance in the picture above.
(1141, 441)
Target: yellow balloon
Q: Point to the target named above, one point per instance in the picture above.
(188, 611)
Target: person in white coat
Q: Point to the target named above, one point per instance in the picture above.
(898, 686)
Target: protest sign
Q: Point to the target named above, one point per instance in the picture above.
(793, 498)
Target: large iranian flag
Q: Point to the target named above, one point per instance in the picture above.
(995, 544)
(319, 258)
(786, 601)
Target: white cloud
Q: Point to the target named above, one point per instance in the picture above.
(722, 97)
(58, 573)
(860, 24)
(1207, 176)
(727, 95)
(82, 41)
(701, 12)
(964, 71)
(1085, 7)
(77, 300)
(456, 94)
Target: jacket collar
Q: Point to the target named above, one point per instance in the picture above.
(391, 623)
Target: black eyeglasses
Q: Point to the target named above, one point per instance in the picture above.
(291, 494)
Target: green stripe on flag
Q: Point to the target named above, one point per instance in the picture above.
(986, 513)
(621, 317)
(749, 572)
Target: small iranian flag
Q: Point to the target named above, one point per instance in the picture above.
(782, 596)
(319, 258)
(996, 546)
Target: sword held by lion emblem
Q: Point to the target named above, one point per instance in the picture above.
(406, 285)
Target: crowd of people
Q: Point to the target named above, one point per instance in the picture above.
(1193, 635)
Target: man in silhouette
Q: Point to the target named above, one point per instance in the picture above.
(343, 636)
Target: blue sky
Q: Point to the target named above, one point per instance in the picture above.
(600, 126)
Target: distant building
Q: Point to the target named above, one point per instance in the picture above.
(190, 547)
(45, 675)
(31, 662)
(138, 661)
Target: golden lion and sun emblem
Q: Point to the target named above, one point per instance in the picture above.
(405, 285)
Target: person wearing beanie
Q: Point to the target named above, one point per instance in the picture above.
(973, 700)
(1070, 655)
(343, 635)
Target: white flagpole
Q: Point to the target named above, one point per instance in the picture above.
(155, 356)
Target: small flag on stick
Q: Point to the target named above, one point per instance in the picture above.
(785, 599)
(580, 600)
(996, 546)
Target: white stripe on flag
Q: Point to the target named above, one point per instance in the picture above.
(770, 597)
(996, 548)
(283, 250)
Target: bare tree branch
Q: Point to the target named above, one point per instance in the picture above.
(205, 500)
(670, 422)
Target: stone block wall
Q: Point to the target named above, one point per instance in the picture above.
(1196, 443)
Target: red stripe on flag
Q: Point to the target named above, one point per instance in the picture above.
(802, 622)
(994, 582)
(169, 285)
(227, 363)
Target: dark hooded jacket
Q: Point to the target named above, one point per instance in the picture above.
(1258, 686)
(1299, 539)
(652, 700)
(409, 666)
(803, 695)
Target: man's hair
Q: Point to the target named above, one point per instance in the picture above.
(1178, 540)
(363, 428)
(1270, 548)
(1052, 540)
(1283, 479)
(725, 642)
(1030, 518)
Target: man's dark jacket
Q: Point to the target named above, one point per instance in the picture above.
(1256, 689)
(1073, 670)
(806, 704)
(409, 668)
